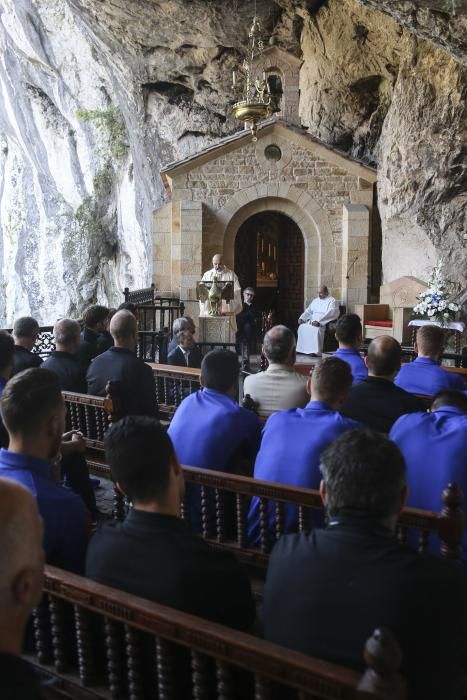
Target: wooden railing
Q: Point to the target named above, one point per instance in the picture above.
(98, 642)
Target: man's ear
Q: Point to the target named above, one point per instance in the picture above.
(365, 360)
(52, 425)
(415, 347)
(23, 589)
(201, 381)
(323, 493)
(308, 387)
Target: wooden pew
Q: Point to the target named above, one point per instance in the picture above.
(448, 524)
(77, 613)
(172, 385)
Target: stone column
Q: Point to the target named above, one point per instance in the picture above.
(355, 244)
(161, 248)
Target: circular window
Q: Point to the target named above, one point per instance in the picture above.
(273, 152)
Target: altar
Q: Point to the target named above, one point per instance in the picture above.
(217, 329)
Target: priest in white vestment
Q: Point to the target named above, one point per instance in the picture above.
(313, 322)
(223, 274)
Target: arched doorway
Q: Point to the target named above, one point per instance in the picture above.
(270, 256)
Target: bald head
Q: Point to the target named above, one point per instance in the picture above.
(21, 561)
(218, 262)
(67, 335)
(123, 329)
(384, 357)
(323, 292)
(279, 345)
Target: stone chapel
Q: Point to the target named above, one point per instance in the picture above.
(288, 212)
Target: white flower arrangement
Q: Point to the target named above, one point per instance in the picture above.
(434, 303)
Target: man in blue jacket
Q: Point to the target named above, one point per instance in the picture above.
(434, 446)
(209, 428)
(293, 440)
(349, 336)
(424, 375)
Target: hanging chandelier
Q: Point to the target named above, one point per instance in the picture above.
(256, 102)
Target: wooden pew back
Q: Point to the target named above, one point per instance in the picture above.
(77, 614)
(229, 530)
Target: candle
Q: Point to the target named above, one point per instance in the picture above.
(262, 244)
(233, 78)
(275, 253)
(269, 251)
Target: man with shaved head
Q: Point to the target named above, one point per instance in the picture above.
(279, 387)
(376, 401)
(424, 375)
(312, 323)
(119, 363)
(222, 274)
(63, 360)
(21, 578)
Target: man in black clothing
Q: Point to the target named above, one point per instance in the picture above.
(247, 321)
(376, 401)
(136, 386)
(152, 553)
(95, 323)
(326, 591)
(63, 360)
(21, 576)
(25, 332)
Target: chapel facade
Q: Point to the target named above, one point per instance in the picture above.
(288, 212)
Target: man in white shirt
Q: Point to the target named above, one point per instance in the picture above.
(323, 309)
(222, 274)
(279, 387)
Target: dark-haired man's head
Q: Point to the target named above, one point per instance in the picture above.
(330, 382)
(25, 332)
(363, 472)
(219, 371)
(7, 352)
(67, 335)
(33, 413)
(279, 345)
(95, 318)
(430, 342)
(144, 465)
(21, 562)
(449, 397)
(123, 329)
(349, 331)
(384, 357)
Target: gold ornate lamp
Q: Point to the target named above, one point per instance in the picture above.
(256, 102)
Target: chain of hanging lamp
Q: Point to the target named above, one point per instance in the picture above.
(255, 104)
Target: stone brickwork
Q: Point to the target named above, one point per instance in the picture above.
(215, 192)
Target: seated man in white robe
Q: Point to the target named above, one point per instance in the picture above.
(312, 323)
(222, 274)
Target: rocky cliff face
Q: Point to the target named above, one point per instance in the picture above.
(96, 96)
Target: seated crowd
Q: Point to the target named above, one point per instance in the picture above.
(355, 429)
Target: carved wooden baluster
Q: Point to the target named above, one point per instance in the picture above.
(220, 515)
(118, 511)
(42, 632)
(383, 657)
(73, 413)
(302, 519)
(84, 645)
(204, 512)
(241, 520)
(279, 509)
(115, 658)
(165, 684)
(451, 523)
(88, 423)
(401, 533)
(225, 687)
(423, 541)
(199, 676)
(262, 688)
(59, 630)
(264, 524)
(133, 659)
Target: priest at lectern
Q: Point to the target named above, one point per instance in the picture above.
(222, 274)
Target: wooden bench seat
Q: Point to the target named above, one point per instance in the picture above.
(92, 641)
